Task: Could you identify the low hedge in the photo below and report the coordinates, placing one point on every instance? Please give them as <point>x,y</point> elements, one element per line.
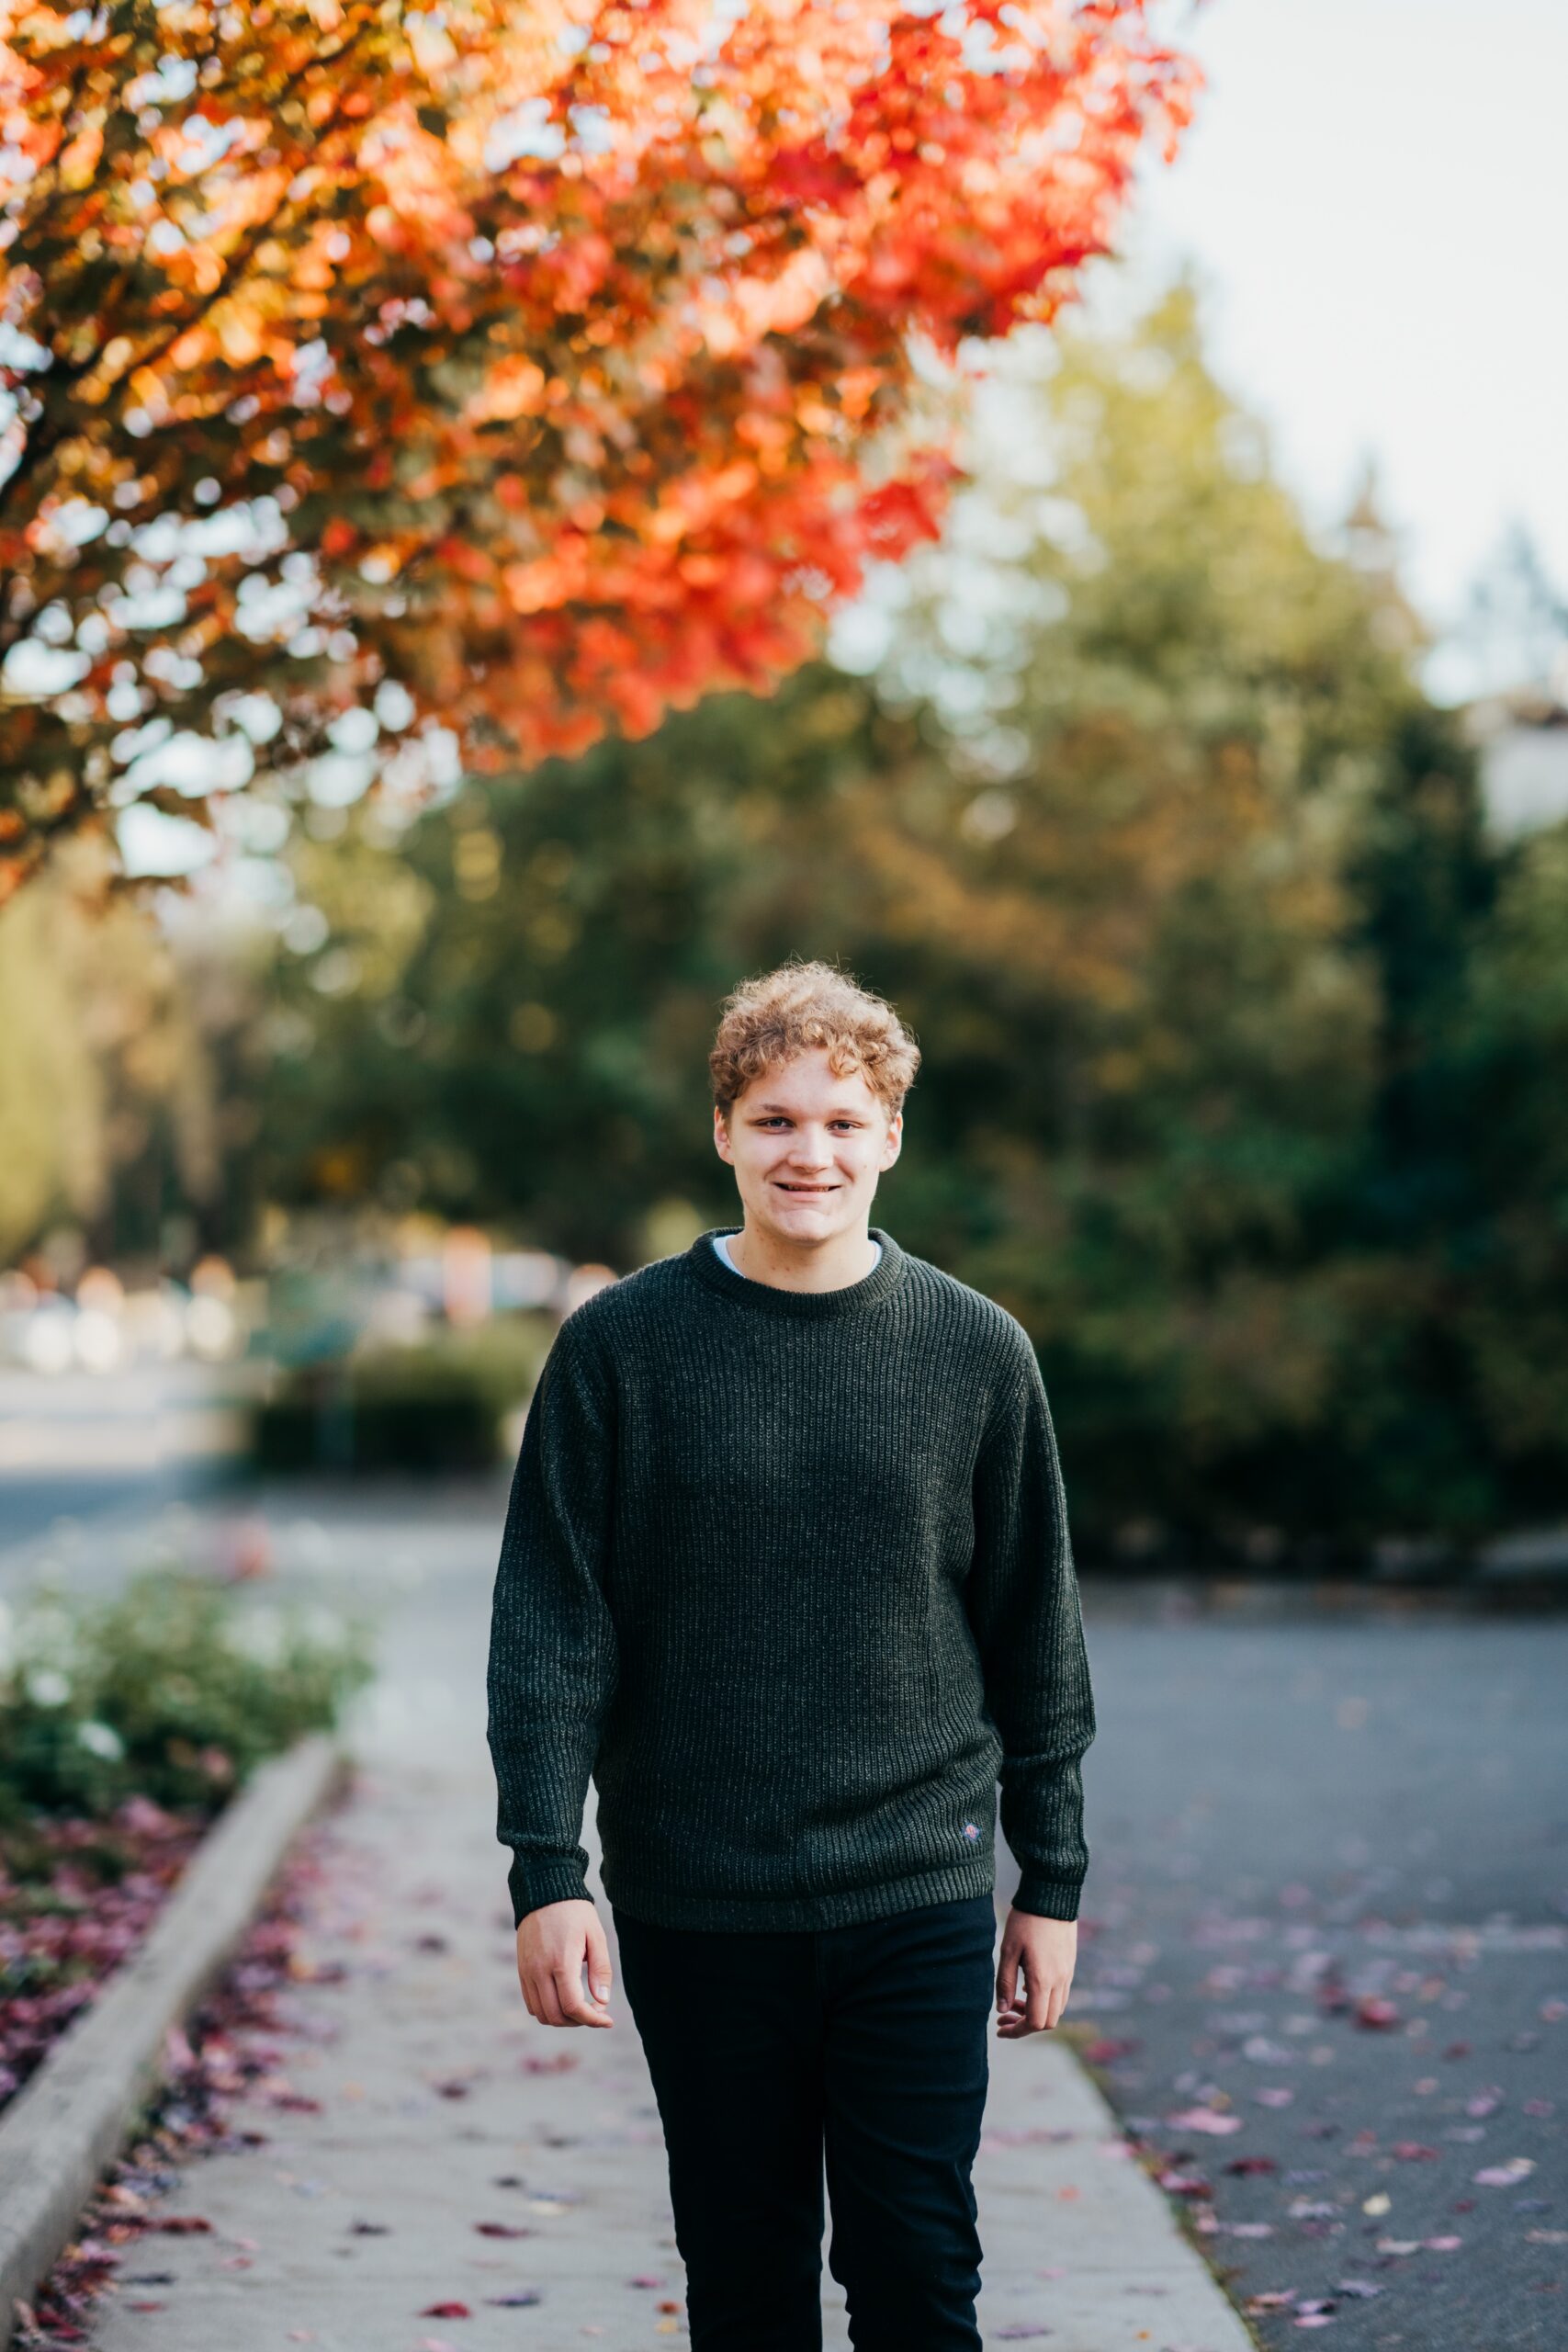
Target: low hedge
<point>172,1689</point>
<point>437,1406</point>
<point>124,1726</point>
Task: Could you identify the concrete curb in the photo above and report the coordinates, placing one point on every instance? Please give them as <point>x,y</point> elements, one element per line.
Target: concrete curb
<point>69,2122</point>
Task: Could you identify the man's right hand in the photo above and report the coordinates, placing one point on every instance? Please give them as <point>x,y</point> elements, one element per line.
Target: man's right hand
<point>552,1945</point>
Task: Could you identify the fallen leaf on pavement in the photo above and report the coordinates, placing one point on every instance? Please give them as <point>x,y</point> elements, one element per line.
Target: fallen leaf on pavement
<point>1504,2176</point>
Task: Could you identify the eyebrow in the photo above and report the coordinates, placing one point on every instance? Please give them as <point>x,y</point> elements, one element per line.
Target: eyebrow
<point>838,1111</point>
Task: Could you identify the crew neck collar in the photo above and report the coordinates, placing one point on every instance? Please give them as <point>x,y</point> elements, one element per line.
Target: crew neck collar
<point>754,1297</point>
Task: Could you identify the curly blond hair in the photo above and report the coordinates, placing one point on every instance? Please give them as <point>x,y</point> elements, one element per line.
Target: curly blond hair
<point>802,1005</point>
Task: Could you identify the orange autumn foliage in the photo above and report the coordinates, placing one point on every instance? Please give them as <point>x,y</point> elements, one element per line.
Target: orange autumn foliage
<point>551,357</point>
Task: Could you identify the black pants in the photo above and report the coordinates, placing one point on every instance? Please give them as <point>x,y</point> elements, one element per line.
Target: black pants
<point>866,2045</point>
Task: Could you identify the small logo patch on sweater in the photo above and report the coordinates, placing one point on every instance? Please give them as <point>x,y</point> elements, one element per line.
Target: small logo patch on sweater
<point>970,1830</point>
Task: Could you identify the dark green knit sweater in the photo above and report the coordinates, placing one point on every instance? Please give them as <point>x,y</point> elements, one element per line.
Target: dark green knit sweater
<point>787,1574</point>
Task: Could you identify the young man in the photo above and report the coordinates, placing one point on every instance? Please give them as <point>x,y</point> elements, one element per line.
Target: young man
<point>786,1571</point>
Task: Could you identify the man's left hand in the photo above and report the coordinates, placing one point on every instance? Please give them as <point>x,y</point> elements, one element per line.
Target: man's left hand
<point>1047,1950</point>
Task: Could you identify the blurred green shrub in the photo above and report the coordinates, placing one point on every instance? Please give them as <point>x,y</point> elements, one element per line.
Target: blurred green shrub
<point>436,1406</point>
<point>173,1689</point>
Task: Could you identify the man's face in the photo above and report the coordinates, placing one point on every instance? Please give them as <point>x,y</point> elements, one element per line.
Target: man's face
<point>808,1147</point>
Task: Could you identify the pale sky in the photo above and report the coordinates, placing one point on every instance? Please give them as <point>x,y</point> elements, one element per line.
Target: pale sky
<point>1375,193</point>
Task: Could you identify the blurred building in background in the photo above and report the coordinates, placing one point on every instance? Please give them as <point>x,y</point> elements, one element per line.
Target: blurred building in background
<point>1523,740</point>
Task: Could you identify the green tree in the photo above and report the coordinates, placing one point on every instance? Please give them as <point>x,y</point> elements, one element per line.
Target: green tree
<point>1505,1276</point>
<point>108,1101</point>
<point>1144,821</point>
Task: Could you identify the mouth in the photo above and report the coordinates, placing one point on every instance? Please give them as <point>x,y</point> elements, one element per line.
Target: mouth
<point>807,1191</point>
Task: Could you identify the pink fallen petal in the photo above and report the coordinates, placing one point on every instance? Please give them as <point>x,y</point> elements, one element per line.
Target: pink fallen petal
<point>1204,2119</point>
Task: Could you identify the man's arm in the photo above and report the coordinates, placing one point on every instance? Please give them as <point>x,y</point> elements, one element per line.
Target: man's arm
<point>552,1647</point>
<point>1021,1596</point>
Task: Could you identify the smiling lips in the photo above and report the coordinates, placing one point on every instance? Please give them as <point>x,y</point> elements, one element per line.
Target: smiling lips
<point>785,1187</point>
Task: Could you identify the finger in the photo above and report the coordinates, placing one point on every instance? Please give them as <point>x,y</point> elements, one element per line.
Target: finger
<point>1007,1978</point>
<point>576,2008</point>
<point>598,1962</point>
<point>1039,2010</point>
<point>1011,2004</point>
<point>549,2007</point>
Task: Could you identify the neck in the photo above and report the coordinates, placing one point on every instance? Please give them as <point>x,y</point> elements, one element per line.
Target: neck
<point>829,1264</point>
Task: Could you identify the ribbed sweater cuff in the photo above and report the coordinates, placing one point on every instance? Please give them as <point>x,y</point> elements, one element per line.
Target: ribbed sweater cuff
<point>1048,1898</point>
<point>534,1883</point>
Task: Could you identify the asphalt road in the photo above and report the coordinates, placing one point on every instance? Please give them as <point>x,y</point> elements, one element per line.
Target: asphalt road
<point>1323,1949</point>
<point>79,1446</point>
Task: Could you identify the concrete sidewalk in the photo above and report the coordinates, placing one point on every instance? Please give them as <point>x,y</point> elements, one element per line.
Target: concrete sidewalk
<point>464,2154</point>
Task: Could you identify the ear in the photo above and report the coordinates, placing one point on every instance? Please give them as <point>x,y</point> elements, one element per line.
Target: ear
<point>721,1143</point>
<point>894,1142</point>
